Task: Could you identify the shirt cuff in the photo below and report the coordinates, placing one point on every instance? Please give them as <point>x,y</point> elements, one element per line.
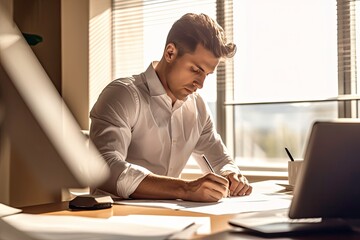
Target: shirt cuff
<point>130,179</point>
<point>229,168</point>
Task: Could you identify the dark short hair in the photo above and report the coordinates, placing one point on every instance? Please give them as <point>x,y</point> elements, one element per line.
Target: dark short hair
<point>192,29</point>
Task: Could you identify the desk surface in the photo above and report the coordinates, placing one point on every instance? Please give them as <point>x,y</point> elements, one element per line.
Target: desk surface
<point>220,229</point>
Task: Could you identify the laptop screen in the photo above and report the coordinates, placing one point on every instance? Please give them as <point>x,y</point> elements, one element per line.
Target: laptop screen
<point>328,186</point>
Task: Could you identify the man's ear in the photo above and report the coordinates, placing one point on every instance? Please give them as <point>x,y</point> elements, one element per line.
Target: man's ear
<point>170,52</point>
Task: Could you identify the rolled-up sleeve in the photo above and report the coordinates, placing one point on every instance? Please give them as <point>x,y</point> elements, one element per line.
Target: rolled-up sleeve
<point>112,118</point>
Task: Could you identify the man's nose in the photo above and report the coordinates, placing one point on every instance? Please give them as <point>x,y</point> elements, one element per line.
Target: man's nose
<point>199,82</point>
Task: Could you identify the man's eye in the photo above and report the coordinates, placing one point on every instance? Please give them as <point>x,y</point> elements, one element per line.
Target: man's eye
<point>197,70</point>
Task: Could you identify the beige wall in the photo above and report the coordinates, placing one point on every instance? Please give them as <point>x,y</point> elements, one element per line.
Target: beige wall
<point>64,54</point>
<point>86,54</point>
<point>42,17</point>
<point>19,186</point>
<point>100,50</point>
<point>75,58</point>
<point>68,28</point>
<point>4,165</point>
<point>7,6</point>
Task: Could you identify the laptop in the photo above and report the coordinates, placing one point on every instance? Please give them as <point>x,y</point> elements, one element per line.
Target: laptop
<point>327,187</point>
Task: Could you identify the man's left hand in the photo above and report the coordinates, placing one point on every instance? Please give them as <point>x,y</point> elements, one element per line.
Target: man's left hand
<point>239,185</point>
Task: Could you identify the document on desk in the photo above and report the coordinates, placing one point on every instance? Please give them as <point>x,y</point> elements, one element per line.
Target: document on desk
<point>62,227</point>
<point>175,222</point>
<point>251,203</point>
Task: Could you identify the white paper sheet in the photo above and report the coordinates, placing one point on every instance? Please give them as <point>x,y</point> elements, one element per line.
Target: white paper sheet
<point>231,206</point>
<point>72,227</point>
<point>251,203</point>
<point>170,222</point>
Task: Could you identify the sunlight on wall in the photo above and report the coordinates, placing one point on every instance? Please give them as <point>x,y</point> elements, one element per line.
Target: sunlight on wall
<point>99,48</point>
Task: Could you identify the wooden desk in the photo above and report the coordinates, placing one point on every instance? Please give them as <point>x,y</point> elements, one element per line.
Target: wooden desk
<point>220,229</point>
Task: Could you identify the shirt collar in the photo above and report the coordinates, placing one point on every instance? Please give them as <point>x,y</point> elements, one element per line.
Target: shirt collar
<point>155,86</point>
<point>153,81</point>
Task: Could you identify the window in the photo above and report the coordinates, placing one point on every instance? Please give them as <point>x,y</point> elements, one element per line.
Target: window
<point>287,51</point>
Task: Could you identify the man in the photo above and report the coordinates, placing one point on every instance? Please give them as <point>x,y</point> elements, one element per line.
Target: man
<point>147,126</point>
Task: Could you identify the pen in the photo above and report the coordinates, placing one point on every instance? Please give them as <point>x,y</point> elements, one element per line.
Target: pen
<point>208,164</point>
<point>289,154</point>
<point>212,170</point>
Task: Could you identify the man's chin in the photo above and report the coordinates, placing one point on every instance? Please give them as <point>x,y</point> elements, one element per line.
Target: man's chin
<point>184,98</point>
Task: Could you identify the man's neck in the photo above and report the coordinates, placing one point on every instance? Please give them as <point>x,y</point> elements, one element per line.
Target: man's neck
<point>160,69</point>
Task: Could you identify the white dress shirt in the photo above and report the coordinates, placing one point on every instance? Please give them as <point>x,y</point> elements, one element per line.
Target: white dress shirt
<point>137,131</point>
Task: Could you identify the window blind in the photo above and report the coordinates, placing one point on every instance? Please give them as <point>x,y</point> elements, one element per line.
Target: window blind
<point>140,29</point>
<point>347,69</point>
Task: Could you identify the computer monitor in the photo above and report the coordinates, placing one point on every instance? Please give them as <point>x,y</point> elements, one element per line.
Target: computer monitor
<point>41,129</point>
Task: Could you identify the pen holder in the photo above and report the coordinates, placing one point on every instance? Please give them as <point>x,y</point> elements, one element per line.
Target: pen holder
<point>294,168</point>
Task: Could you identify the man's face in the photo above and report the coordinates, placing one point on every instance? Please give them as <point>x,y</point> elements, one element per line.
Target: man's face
<point>187,73</point>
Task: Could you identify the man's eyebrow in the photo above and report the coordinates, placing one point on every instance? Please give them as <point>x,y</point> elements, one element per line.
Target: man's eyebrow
<point>199,67</point>
<point>203,70</point>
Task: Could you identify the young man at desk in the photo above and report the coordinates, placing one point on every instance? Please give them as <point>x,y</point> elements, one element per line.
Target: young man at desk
<point>147,126</point>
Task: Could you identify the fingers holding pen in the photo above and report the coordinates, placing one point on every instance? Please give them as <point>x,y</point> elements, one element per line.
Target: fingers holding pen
<point>215,186</point>
<point>209,188</point>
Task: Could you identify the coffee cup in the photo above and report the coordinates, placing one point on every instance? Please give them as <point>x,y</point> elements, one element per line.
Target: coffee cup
<point>294,168</point>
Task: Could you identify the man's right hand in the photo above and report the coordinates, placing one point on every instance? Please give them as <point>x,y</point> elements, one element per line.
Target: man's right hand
<point>209,188</point>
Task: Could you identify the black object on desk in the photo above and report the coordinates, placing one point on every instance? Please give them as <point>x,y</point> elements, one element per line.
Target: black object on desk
<point>91,202</point>
<point>287,229</point>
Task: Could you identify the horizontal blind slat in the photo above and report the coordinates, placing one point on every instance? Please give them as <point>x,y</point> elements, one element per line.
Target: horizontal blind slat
<point>134,25</point>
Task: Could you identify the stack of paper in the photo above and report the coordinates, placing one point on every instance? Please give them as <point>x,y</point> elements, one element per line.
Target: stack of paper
<point>118,227</point>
